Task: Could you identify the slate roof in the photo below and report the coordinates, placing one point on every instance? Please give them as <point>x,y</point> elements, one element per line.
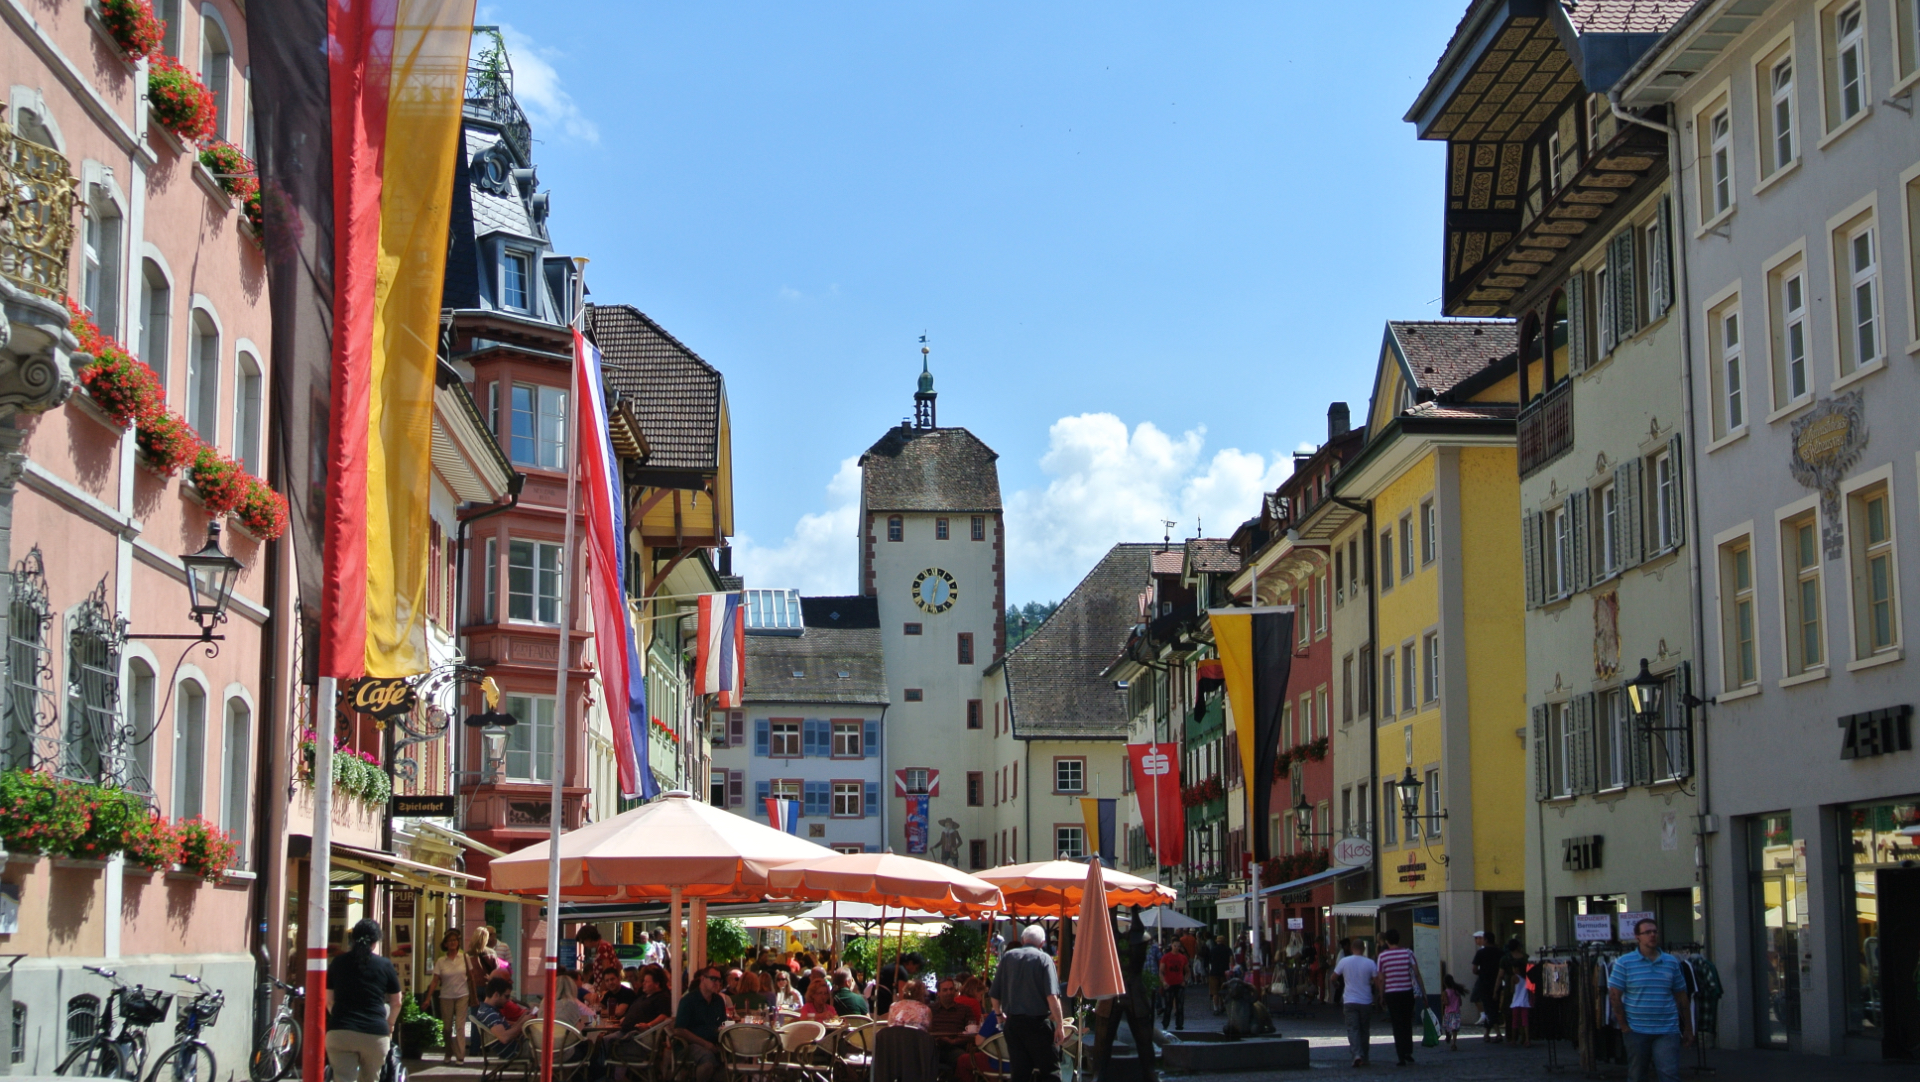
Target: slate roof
<point>1442,353</point>
<point>675,395</point>
<point>495,213</point>
<point>1625,16</point>
<point>821,654</point>
<point>929,469</point>
<point>1210,555</point>
<point>1055,689</point>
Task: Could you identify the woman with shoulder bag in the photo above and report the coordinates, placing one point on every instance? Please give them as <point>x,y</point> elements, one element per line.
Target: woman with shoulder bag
<point>452,982</point>
<point>363,1002</point>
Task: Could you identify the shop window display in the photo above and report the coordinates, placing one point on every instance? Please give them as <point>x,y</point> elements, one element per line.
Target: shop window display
<point>1882,842</point>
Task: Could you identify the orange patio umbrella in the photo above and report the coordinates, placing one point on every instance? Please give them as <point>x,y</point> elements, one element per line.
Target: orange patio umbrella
<point>1049,888</point>
<point>886,879</point>
<point>1095,973</point>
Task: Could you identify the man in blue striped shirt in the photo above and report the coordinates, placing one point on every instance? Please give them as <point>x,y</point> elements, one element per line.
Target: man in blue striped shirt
<point>1649,995</point>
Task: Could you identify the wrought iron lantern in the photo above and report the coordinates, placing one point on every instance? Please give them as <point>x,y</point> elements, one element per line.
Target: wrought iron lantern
<point>210,576</point>
<point>1647,693</point>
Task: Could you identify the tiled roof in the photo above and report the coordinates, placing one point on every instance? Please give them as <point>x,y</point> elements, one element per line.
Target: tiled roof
<point>1169,561</point>
<point>1210,555</point>
<point>1464,411</point>
<point>1054,684</point>
<point>834,665</point>
<point>674,393</point>
<point>1444,352</point>
<point>1625,16</point>
<point>929,469</point>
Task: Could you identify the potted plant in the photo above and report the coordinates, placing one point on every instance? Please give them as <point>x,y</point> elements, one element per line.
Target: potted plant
<point>133,26</point>
<point>253,208</point>
<point>205,849</point>
<point>179,100</point>
<point>151,842</point>
<point>111,812</point>
<point>221,482</point>
<point>419,1030</point>
<point>262,511</point>
<point>40,813</point>
<point>166,442</point>
<point>231,169</point>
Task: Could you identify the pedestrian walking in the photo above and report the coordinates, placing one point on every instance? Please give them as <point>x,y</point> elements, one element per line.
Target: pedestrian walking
<point>452,987</point>
<point>1520,999</point>
<point>1649,994</point>
<point>1486,978</point>
<point>1173,975</point>
<point>1357,981</point>
<point>1026,987</point>
<point>1399,980</point>
<point>363,1000</point>
<point>1452,998</point>
<point>1219,960</point>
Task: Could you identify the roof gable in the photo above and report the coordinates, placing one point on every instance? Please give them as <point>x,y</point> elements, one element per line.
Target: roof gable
<point>678,398</point>
<point>929,469</point>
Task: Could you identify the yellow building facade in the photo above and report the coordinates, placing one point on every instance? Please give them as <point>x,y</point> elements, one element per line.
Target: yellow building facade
<point>1438,484</point>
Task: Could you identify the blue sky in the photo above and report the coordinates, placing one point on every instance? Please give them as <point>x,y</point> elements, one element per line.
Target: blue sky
<point>1148,242</point>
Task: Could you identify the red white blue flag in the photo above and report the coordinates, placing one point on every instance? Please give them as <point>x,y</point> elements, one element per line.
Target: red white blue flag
<point>783,814</point>
<point>621,674</point>
<point>720,648</point>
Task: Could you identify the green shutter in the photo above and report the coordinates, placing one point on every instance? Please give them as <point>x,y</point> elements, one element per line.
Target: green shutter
<point>1542,768</point>
<point>1679,490</point>
<point>1577,322</point>
<point>1530,556</point>
<point>1621,262</point>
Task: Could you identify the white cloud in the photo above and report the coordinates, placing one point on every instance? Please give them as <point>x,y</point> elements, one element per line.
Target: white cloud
<point>1111,485</point>
<point>536,85</point>
<point>820,556</point>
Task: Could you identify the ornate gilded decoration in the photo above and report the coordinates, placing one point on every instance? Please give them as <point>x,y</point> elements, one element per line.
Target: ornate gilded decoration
<point>1827,442</point>
<point>36,214</point>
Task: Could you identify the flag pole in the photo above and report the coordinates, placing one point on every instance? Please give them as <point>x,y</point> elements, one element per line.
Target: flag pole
<point>570,423</point>
<point>313,1054</point>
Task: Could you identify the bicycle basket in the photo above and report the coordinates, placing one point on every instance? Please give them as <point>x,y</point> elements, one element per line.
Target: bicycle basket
<point>208,1007</point>
<point>145,1006</point>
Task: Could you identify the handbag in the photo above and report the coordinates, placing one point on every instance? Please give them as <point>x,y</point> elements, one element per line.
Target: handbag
<point>1429,1029</point>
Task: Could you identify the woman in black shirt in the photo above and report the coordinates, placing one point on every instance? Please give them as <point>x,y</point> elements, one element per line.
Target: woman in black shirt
<point>363,1000</point>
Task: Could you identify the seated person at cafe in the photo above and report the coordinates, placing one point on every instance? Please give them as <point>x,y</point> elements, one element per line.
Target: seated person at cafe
<point>653,1005</point>
<point>610,996</point>
<point>951,1024</point>
<point>783,995</point>
<point>489,1016</point>
<point>846,998</point>
<point>819,1004</point>
<point>975,1059</point>
<point>973,991</point>
<point>698,1024</point>
<point>753,993</point>
<point>910,1007</point>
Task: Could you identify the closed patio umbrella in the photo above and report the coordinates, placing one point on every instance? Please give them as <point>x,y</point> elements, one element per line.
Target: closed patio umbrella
<point>1095,973</point>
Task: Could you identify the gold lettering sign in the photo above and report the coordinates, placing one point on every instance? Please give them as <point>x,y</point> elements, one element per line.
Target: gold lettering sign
<point>1824,438</point>
<point>383,698</point>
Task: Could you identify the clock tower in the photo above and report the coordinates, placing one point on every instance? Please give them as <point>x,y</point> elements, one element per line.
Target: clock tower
<point>933,555</point>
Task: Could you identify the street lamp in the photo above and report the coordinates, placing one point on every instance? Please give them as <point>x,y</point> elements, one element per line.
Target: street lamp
<point>210,575</point>
<point>1303,812</point>
<point>1410,805</point>
<point>1647,693</point>
<point>493,725</point>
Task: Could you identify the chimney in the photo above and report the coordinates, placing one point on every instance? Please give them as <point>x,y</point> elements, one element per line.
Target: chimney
<point>1337,421</point>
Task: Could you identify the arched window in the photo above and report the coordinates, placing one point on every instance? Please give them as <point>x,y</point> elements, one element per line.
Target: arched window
<point>91,745</point>
<point>1557,354</point>
<point>139,707</point>
<point>189,750</point>
<point>169,13</point>
<point>246,412</point>
<point>1530,387</point>
<point>100,285</point>
<point>203,377</point>
<point>235,765</point>
<point>216,61</point>
<point>156,317</point>
<point>83,1020</point>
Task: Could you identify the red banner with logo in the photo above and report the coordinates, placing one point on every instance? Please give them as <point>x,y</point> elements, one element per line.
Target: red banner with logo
<point>1156,786</point>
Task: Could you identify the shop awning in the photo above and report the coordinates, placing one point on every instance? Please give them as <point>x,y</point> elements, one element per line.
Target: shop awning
<point>1372,906</point>
<point>423,826</point>
<point>412,873</point>
<point>354,852</point>
<point>1305,882</point>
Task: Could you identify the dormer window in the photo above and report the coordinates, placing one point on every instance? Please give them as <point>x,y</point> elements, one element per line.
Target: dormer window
<point>515,273</point>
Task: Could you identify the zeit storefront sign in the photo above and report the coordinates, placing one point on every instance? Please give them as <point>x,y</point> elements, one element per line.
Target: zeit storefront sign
<point>1877,732</point>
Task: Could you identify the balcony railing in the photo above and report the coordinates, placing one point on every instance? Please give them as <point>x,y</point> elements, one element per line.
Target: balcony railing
<point>36,214</point>
<point>1546,428</point>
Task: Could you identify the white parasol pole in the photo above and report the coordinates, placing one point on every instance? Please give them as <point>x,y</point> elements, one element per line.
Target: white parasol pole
<point>319,880</point>
<point>673,948</point>
<point>570,425</point>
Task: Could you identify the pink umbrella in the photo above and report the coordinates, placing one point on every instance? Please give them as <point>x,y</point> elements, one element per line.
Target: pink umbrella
<point>1095,973</point>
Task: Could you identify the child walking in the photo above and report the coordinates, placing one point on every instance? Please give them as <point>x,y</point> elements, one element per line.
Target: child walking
<point>1521,1008</point>
<point>1450,1001</point>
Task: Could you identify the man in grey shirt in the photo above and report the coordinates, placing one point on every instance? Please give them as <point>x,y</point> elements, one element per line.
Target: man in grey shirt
<point>1027,989</point>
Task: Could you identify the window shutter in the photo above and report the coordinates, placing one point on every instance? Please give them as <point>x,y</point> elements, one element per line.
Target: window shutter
<point>818,740</point>
<point>1681,744</point>
<point>1577,322</point>
<point>1542,767</point>
<point>816,794</point>
<point>1661,260</point>
<point>872,803</point>
<point>1623,284</point>
<point>1626,488</point>
<point>736,728</point>
<point>736,788</point>
<point>1530,556</point>
<point>1679,490</point>
<point>1583,772</point>
<point>1582,548</point>
<point>1603,320</point>
<point>762,792</point>
<point>760,737</point>
<point>871,745</point>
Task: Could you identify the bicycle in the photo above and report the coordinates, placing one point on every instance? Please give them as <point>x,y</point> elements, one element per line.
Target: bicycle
<point>106,1054</point>
<point>278,1052</point>
<point>188,1059</point>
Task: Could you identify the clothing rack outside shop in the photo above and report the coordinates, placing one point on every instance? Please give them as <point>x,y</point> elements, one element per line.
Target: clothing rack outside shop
<point>1593,1026</point>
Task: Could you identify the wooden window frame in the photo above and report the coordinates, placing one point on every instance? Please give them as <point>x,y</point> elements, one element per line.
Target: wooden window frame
<point>1081,762</point>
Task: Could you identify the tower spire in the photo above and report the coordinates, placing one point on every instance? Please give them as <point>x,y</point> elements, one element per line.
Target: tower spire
<point>923,399</point>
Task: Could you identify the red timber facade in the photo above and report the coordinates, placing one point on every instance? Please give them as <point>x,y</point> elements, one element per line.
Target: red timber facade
<point>1292,563</point>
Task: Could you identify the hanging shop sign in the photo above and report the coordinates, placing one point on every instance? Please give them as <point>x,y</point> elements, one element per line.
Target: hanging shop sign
<point>383,698</point>
<point>422,806</point>
<point>1582,853</point>
<point>1352,853</point>
<point>1877,732</point>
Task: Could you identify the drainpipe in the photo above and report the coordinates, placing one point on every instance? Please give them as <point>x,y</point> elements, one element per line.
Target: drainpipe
<point>1695,575</point>
<point>883,776</point>
<point>1365,507</point>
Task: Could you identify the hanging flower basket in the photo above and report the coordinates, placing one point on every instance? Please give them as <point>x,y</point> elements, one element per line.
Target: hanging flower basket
<point>232,170</point>
<point>133,26</point>
<point>166,442</point>
<point>253,208</point>
<point>118,383</point>
<point>221,482</point>
<point>40,813</point>
<point>179,100</point>
<point>152,842</point>
<point>262,511</point>
<point>205,849</point>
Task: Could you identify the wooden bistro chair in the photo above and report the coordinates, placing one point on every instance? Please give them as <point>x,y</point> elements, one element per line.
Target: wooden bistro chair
<point>804,1053</point>
<point>569,1054</point>
<point>994,1048</point>
<point>751,1053</point>
<point>639,1055</point>
<point>497,1063</point>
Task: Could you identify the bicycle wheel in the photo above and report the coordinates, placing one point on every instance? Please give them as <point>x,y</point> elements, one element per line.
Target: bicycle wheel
<point>95,1059</point>
<point>277,1053</point>
<point>184,1063</point>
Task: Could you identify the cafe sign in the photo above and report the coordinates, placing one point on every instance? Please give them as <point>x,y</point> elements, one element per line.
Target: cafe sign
<point>383,698</point>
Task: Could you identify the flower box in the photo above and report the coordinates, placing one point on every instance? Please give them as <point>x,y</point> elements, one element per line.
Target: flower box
<point>178,100</point>
<point>130,24</point>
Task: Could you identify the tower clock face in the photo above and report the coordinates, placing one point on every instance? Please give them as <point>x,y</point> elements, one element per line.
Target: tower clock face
<point>935,590</point>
